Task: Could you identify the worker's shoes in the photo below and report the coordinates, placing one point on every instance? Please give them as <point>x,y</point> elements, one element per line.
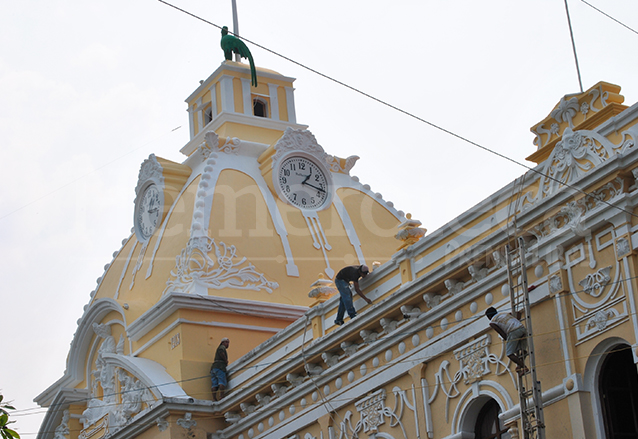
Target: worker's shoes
<point>338,322</point>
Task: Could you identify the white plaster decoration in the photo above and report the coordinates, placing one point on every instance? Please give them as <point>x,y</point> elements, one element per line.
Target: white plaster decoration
<point>368,336</point>
<point>571,215</point>
<point>247,408</point>
<point>294,379</point>
<point>212,144</point>
<point>162,424</point>
<point>191,121</point>
<point>313,369</point>
<point>322,288</point>
<point>349,348</point>
<point>363,370</point>
<point>134,396</point>
<point>566,110</point>
<point>416,340</point>
<point>411,312</point>
<point>473,307</point>
<point>431,299</point>
<point>576,154</point>
<point>601,318</point>
<point>477,271</point>
<point>489,298</point>
<point>260,427</point>
<point>458,316</point>
<point>138,264</point>
<point>279,389</point>
<point>538,271</point>
<point>375,362</point>
<point>594,283</point>
<point>350,229</point>
<point>282,415</point>
<point>274,101</point>
<point>330,359</point>
<point>444,323</point>
<point>555,284</point>
<point>298,140</point>
<point>634,186</point>
<point>453,286</point>
<point>187,422</point>
<point>474,359</point>
<point>429,332</point>
<point>263,398</point>
<point>150,169</point>
<point>498,257</point>
<point>388,356</point>
<point>232,417</point>
<point>334,163</point>
<point>102,376</point>
<point>319,239</point>
<point>623,248</point>
<point>388,325</point>
<point>119,349</point>
<point>326,390</point>
<point>62,430</point>
<point>196,270</point>
<point>350,376</point>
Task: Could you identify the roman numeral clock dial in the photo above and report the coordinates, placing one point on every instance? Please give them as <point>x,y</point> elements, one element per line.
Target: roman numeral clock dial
<point>303,183</point>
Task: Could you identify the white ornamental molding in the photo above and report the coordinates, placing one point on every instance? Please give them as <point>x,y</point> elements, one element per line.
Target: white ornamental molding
<point>474,359</point>
<point>299,140</point>
<point>62,430</point>
<point>187,422</point>
<point>623,248</point>
<point>212,144</point>
<point>555,284</point>
<point>594,283</point>
<point>195,269</point>
<point>341,166</point>
<point>149,170</point>
<point>574,156</point>
<point>572,214</point>
<point>373,413</point>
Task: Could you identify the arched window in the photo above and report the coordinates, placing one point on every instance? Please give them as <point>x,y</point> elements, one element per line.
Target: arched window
<point>260,108</point>
<point>488,425</point>
<point>618,389</point>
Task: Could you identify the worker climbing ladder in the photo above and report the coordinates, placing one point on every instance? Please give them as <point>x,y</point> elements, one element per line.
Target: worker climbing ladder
<point>529,388</point>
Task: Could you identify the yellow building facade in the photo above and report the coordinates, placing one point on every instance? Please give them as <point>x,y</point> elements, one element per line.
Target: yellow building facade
<point>243,239</point>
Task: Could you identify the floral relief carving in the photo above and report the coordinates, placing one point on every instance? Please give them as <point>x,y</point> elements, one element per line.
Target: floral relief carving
<point>555,284</point>
<point>566,110</point>
<point>299,140</point>
<point>600,319</point>
<point>150,169</point>
<point>622,247</point>
<point>194,267</point>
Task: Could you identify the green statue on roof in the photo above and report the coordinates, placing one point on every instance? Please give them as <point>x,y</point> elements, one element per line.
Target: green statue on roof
<point>231,44</point>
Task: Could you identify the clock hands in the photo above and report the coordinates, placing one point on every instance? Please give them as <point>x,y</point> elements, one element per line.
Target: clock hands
<point>312,186</point>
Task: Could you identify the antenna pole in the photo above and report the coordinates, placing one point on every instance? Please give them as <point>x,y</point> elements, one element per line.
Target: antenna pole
<point>236,27</point>
<point>569,21</point>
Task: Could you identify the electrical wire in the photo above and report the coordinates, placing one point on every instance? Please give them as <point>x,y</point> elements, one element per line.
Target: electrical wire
<point>609,16</point>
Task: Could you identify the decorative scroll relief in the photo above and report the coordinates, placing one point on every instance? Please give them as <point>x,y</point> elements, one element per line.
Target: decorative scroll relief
<point>211,144</point>
<point>195,269</point>
<point>474,360</point>
<point>569,109</point>
<point>572,214</point>
<point>594,283</point>
<point>373,413</point>
<point>62,430</point>
<point>341,166</point>
<point>601,320</point>
<point>574,156</point>
<point>150,169</point>
<point>116,396</point>
<point>299,140</point>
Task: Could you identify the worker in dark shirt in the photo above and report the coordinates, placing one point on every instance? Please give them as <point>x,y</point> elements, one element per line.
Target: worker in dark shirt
<point>218,376</point>
<point>349,274</point>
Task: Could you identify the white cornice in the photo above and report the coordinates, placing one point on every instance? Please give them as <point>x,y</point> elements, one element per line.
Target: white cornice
<point>176,301</point>
<point>242,119</point>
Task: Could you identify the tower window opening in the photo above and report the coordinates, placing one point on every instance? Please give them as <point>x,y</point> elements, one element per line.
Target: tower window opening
<point>260,108</point>
<point>208,115</point>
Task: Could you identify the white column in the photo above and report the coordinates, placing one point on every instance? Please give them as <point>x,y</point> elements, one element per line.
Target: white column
<point>191,121</point>
<point>246,96</point>
<point>226,90</point>
<point>213,101</point>
<point>274,101</point>
<point>290,104</point>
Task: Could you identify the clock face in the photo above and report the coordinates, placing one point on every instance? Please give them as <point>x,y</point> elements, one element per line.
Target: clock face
<point>303,183</point>
<point>148,212</point>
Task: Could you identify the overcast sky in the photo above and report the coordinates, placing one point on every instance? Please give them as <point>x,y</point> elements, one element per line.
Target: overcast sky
<point>88,89</point>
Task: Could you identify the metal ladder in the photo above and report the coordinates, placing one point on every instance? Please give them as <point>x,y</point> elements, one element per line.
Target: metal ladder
<point>532,421</point>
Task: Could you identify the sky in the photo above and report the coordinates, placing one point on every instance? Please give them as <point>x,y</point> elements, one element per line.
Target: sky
<point>89,89</point>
